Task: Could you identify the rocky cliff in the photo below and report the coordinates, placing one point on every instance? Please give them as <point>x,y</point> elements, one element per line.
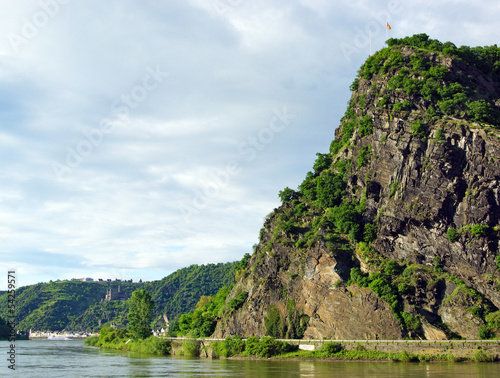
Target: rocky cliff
<point>395,232</point>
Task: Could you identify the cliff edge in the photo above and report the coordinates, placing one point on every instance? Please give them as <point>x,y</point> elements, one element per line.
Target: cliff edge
<point>395,232</point>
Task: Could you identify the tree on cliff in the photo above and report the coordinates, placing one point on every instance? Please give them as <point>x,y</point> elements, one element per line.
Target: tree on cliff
<point>140,314</point>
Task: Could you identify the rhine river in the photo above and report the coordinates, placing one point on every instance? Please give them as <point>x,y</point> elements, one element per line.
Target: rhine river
<point>46,358</point>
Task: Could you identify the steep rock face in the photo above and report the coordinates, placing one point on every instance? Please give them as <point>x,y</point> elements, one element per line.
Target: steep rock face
<point>412,177</point>
<point>335,311</point>
<point>453,184</point>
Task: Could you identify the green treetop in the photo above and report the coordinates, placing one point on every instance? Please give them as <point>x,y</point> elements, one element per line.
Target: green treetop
<point>140,314</point>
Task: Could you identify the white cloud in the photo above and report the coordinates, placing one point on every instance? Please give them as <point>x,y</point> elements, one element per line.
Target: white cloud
<point>176,180</point>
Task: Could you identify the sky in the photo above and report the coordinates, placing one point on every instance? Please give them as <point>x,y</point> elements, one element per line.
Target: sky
<point>138,137</point>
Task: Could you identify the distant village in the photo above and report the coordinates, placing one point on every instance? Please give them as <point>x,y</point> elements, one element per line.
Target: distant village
<point>74,335</point>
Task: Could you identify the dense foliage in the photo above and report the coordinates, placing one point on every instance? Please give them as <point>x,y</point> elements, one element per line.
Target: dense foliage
<point>253,346</point>
<point>420,82</point>
<point>80,306</point>
<point>55,305</point>
<point>140,314</point>
<point>111,338</point>
<point>4,329</point>
<point>321,209</point>
<point>291,325</point>
<point>202,320</point>
<point>423,75</point>
<point>100,314</point>
<point>384,283</point>
<point>395,282</point>
<point>179,292</point>
<point>486,59</point>
<point>269,347</point>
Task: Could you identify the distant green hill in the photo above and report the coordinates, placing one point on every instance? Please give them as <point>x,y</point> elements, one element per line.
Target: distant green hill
<point>81,306</point>
<point>4,329</point>
<point>54,305</point>
<point>179,292</point>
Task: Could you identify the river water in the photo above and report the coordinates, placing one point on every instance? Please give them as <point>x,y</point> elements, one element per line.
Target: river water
<point>47,358</point>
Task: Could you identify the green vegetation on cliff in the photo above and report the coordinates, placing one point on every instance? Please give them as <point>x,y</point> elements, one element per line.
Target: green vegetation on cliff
<point>201,321</point>
<point>404,205</point>
<point>448,93</point>
<point>290,326</point>
<point>418,69</point>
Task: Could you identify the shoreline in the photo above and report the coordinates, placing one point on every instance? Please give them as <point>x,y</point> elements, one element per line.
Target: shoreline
<point>413,358</point>
<point>331,359</point>
<point>48,338</point>
<point>271,349</point>
<point>353,351</point>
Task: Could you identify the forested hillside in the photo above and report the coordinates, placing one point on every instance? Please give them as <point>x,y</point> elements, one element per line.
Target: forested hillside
<point>179,292</point>
<point>81,306</point>
<point>55,305</point>
<point>4,329</point>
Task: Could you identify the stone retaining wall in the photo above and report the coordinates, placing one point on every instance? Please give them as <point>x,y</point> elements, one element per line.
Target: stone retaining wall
<point>458,348</point>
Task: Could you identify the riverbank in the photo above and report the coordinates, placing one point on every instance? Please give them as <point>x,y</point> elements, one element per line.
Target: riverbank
<point>477,355</point>
<point>235,347</point>
<point>110,338</point>
<point>391,350</point>
<point>72,359</point>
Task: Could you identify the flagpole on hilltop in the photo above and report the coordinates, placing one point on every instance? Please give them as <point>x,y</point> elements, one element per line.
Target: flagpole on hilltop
<point>387,31</point>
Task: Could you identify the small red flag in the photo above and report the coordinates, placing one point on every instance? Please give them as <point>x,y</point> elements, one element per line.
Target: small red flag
<point>388,26</point>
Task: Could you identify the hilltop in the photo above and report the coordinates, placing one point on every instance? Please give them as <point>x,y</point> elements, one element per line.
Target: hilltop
<point>395,232</point>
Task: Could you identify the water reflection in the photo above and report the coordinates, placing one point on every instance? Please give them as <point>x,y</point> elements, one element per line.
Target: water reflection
<point>41,358</point>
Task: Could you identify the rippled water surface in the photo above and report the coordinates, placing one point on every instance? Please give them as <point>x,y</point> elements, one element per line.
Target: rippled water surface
<point>44,358</point>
